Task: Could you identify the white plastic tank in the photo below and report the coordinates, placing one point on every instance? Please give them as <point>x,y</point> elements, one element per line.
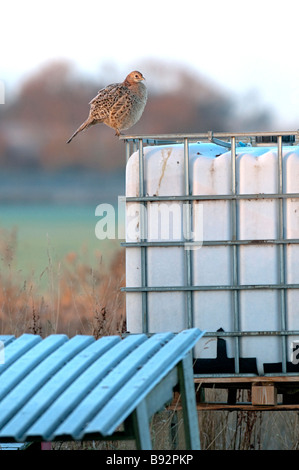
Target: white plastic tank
<point>258,264</point>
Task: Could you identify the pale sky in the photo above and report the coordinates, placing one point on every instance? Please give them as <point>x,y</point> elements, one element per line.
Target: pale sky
<point>244,46</point>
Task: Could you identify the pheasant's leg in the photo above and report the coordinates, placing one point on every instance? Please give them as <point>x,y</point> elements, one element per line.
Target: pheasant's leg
<point>118,133</point>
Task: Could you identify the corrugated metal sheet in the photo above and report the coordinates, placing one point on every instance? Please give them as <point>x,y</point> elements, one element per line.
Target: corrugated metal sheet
<point>61,388</point>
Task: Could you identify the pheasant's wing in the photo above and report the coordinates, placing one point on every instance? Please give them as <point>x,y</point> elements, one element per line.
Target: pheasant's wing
<point>106,98</point>
<point>122,106</point>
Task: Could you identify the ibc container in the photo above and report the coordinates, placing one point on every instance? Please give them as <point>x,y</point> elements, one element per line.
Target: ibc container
<point>235,274</point>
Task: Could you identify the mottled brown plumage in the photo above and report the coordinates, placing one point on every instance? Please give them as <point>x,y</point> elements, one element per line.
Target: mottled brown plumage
<point>119,105</point>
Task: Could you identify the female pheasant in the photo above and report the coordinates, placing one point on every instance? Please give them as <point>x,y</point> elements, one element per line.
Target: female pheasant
<point>119,105</point>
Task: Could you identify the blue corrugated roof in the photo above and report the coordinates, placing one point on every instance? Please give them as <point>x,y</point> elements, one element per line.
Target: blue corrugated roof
<point>61,388</point>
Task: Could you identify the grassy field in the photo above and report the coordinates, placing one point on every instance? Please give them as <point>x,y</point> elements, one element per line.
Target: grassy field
<point>64,288</point>
<point>43,230</point>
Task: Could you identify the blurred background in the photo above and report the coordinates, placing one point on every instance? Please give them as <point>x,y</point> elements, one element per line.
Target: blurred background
<point>209,65</point>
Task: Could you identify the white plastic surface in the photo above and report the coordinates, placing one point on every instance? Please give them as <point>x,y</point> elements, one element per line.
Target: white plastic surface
<point>210,174</point>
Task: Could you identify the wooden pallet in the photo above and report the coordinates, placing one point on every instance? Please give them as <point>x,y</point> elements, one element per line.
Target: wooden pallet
<point>264,393</point>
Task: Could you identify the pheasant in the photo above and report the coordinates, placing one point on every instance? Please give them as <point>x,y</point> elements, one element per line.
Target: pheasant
<point>119,105</point>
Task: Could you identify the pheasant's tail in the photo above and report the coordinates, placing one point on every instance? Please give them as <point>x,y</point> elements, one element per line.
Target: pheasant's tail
<point>89,122</point>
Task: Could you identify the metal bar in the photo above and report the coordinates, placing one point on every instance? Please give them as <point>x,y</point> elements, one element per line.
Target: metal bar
<point>134,149</point>
<point>220,334</point>
<point>186,167</point>
<point>206,135</point>
<point>187,232</point>
<point>143,235</point>
<point>213,197</point>
<point>250,333</point>
<point>290,241</point>
<point>210,288</point>
<point>141,169</point>
<point>281,248</point>
<point>234,254</point>
<point>127,150</point>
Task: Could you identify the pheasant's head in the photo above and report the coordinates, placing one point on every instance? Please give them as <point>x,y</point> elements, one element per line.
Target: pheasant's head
<point>134,77</point>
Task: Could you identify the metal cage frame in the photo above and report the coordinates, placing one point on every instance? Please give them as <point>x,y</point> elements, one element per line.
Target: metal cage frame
<point>135,143</point>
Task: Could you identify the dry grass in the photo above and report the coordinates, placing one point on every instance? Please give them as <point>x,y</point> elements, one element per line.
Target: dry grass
<point>76,300</point>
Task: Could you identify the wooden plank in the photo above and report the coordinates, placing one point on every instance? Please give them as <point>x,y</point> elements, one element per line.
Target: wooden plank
<point>61,408</point>
<point>135,390</point>
<point>22,392</point>
<point>141,427</point>
<point>244,407</point>
<point>249,380</point>
<point>189,403</point>
<point>263,394</point>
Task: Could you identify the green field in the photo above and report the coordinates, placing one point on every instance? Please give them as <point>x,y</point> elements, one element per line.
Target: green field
<point>48,232</point>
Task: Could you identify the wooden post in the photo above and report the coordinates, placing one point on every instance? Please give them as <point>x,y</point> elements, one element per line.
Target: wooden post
<point>187,390</point>
<point>141,426</point>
